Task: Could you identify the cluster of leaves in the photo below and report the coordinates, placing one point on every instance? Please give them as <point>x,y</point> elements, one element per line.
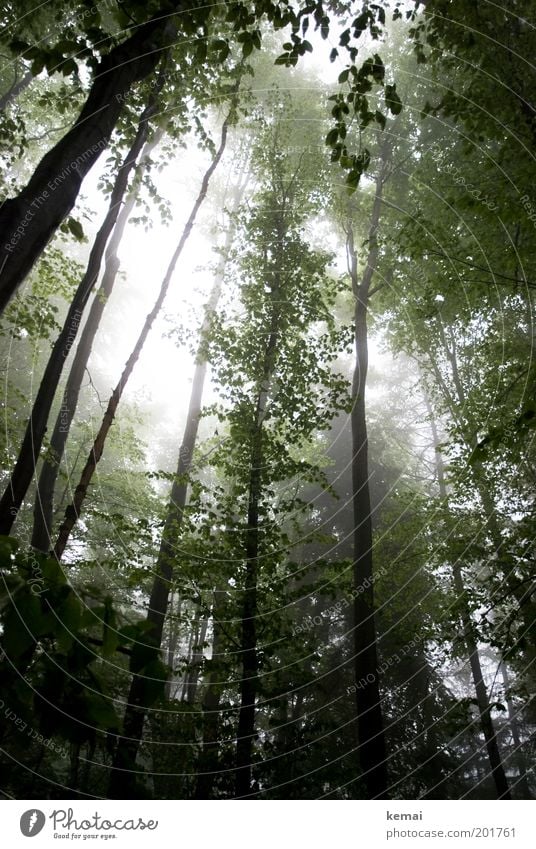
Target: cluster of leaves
<point>60,645</point>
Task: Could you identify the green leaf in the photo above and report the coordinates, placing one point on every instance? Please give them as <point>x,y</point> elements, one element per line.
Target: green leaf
<point>100,712</point>
<point>76,229</point>
<point>332,137</point>
<point>392,100</point>
<point>380,118</point>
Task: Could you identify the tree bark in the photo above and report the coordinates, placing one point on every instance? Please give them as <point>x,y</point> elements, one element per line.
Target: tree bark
<point>32,442</point>
<point>248,641</point>
<point>122,779</point>
<point>44,499</point>
<point>484,709</point>
<point>174,635</point>
<point>522,783</point>
<point>192,679</point>
<point>29,220</point>
<point>372,751</point>
<point>208,758</point>
<point>481,693</point>
<point>73,510</point>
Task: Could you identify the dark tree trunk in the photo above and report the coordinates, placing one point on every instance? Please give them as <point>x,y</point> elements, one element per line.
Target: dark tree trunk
<point>194,631</point>
<point>32,442</point>
<point>481,693</point>
<point>29,220</point>
<point>522,784</point>
<point>44,499</point>
<point>174,635</point>
<point>486,722</point>
<point>123,777</point>
<point>372,751</point>
<point>248,641</point>
<point>208,758</point>
<point>158,604</point>
<point>196,661</point>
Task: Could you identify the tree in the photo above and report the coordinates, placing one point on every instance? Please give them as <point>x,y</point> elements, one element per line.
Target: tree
<point>43,507</point>
<point>27,459</point>
<point>73,510</point>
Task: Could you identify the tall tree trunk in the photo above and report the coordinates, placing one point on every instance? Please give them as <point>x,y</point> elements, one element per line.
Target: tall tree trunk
<point>44,499</point>
<point>522,783</point>
<point>484,709</point>
<point>73,510</point>
<point>455,403</point>
<point>174,635</point>
<point>196,661</point>
<point>32,442</point>
<point>372,751</point>
<point>248,640</point>
<point>208,758</point>
<point>29,220</point>
<point>122,779</point>
<point>192,640</point>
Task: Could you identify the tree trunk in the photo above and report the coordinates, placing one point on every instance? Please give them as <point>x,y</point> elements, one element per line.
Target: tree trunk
<point>174,634</point>
<point>192,640</point>
<point>44,500</point>
<point>196,661</point>
<point>522,783</point>
<point>208,758</point>
<point>158,604</point>
<point>248,641</point>
<point>372,751</point>
<point>29,220</point>
<point>123,773</point>
<point>481,693</point>
<point>32,442</point>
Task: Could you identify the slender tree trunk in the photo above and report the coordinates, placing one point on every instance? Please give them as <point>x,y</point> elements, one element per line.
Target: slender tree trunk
<point>486,722</point>
<point>522,784</point>
<point>492,525</point>
<point>29,220</point>
<point>174,634</point>
<point>248,642</point>
<point>249,680</point>
<point>44,500</point>
<point>192,640</point>
<point>32,442</point>
<point>158,605</point>
<point>122,779</point>
<point>208,758</point>
<point>14,90</point>
<point>372,751</point>
<point>195,663</point>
